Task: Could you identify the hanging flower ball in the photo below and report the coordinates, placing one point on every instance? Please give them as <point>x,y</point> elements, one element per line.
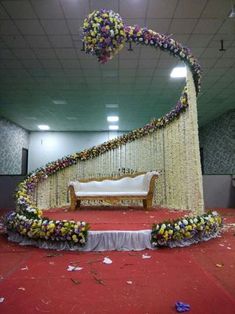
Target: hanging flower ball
<point>103,34</point>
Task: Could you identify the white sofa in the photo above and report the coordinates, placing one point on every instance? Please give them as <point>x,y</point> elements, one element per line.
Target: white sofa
<point>139,186</point>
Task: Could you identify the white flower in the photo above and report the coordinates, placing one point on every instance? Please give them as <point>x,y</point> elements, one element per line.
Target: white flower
<point>195,220</point>
<point>185,222</point>
<point>163,226</point>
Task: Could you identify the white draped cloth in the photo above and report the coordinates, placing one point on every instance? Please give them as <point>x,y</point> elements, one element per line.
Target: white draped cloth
<point>97,241</point>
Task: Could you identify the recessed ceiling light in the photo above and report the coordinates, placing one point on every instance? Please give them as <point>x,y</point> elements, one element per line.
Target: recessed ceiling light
<point>178,72</point>
<point>43,127</point>
<point>113,127</point>
<point>112,118</point>
<point>59,102</point>
<point>111,105</point>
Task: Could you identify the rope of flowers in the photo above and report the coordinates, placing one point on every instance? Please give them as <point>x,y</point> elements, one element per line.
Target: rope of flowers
<point>185,231</point>
<point>104,35</point>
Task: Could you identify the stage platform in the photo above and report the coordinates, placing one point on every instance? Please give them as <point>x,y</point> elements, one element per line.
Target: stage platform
<point>116,218</point>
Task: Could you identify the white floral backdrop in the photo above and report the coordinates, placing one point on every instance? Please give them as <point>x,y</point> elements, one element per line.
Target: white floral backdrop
<point>173,150</point>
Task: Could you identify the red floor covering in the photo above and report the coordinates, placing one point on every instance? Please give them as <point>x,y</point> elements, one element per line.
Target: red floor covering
<point>37,281</point>
<point>116,218</point>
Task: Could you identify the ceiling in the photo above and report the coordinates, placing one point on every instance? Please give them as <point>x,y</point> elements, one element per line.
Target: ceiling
<point>46,79</point>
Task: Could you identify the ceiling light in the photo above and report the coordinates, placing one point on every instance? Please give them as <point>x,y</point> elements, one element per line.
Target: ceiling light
<point>178,72</point>
<point>111,105</point>
<point>43,127</point>
<point>112,118</point>
<point>59,102</point>
<point>232,12</point>
<point>113,127</point>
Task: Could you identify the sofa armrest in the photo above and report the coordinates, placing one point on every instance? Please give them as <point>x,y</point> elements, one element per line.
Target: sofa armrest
<point>73,198</point>
<point>152,184</point>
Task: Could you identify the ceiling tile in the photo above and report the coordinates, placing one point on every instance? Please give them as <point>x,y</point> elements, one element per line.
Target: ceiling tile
<point>128,64</point>
<point>19,9</point>
<point>38,41</point>
<point>217,8</point>
<point>211,53</point>
<point>230,53</point>
<point>125,54</point>
<point>49,9</point>
<point>31,63</point>
<point>208,62</point>
<point>15,41</point>
<point>6,54</point>
<point>75,26</point>
<point>129,9</point>
<point>161,8</point>
<point>44,53</point>
<point>55,27</point>
<point>199,40</point>
<point>12,64</point>
<point>50,63</point>
<point>66,53</point>
<point>149,53</point>
<point>24,53</point>
<point>181,38</point>
<point>70,64</point>
<point>159,25</point>
<point>207,26</point>
<point>182,26</point>
<point>75,9</point>
<point>3,13</point>
<point>29,27</point>
<point>189,9</point>
<point>100,4</point>
<point>61,41</point>
<point>216,43</point>
<point>8,28</point>
<point>147,63</point>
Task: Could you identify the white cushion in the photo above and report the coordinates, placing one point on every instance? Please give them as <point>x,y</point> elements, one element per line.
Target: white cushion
<point>105,193</point>
<point>124,186</point>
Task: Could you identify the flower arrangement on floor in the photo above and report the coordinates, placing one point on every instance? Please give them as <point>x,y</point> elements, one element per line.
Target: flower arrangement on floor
<point>186,230</point>
<point>27,220</point>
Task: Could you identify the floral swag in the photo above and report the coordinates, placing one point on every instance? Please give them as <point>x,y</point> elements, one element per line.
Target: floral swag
<point>104,35</point>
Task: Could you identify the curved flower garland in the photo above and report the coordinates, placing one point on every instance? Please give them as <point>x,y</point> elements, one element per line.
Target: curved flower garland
<point>28,220</point>
<point>187,230</point>
<point>104,34</point>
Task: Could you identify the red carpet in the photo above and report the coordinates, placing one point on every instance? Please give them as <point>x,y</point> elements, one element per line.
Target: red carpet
<point>37,281</point>
<point>116,218</point>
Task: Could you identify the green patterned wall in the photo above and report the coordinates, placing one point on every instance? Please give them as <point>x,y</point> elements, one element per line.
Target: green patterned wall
<point>217,139</point>
<point>12,139</point>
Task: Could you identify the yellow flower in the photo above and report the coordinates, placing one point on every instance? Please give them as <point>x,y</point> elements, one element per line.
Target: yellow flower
<point>75,238</point>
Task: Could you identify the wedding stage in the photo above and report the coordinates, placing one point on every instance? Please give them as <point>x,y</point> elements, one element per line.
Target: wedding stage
<point>123,228</point>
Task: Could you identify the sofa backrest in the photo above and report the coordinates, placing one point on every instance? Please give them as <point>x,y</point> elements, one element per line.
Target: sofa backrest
<point>127,184</point>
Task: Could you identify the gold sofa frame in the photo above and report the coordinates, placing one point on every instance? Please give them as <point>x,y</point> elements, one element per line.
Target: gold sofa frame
<point>75,201</point>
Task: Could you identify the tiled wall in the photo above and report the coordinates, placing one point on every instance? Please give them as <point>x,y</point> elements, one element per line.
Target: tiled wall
<point>12,139</point>
<point>218,142</point>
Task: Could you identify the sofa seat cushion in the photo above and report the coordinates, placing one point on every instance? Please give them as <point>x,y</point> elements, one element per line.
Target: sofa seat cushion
<point>108,193</point>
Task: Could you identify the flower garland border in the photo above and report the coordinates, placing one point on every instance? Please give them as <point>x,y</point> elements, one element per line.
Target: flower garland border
<point>186,230</point>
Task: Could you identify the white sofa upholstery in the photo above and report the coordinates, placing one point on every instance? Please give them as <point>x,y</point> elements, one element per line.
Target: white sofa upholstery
<point>137,187</point>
